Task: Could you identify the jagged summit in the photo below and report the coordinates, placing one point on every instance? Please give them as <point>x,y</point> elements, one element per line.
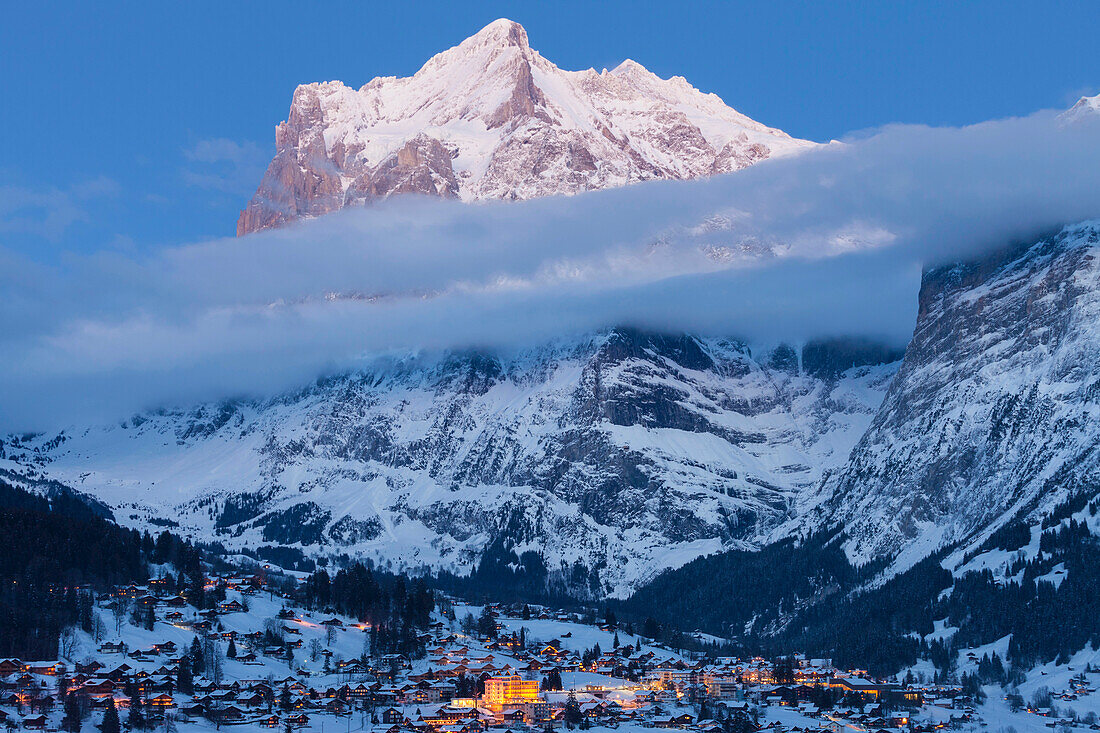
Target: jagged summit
<point>501,32</point>
<point>491,118</point>
<point>1085,107</point>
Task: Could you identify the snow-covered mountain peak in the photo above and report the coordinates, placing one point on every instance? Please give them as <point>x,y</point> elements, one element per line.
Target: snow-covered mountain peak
<point>500,46</point>
<point>1085,107</point>
<point>502,32</point>
<point>492,118</point>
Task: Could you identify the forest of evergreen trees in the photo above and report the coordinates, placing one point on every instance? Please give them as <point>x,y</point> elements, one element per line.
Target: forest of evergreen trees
<point>725,592</point>
<point>56,552</point>
<point>806,597</point>
<point>53,554</point>
<point>397,608</point>
<point>504,575</point>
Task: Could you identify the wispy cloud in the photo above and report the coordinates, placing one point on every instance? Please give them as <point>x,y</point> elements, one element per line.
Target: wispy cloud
<point>223,165</point>
<point>828,243</point>
<point>49,211</point>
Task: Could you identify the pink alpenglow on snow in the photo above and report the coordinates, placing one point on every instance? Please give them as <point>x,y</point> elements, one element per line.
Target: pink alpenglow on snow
<point>492,119</point>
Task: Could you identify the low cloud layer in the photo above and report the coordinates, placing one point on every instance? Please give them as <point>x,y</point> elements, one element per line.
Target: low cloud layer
<point>829,243</point>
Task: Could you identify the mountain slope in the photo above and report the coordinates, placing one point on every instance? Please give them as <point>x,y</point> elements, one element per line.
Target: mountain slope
<point>492,119</point>
<point>613,456</point>
<point>1085,108</point>
<point>969,513</point>
<point>994,410</point>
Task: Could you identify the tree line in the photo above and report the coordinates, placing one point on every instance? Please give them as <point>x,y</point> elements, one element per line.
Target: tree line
<point>55,554</point>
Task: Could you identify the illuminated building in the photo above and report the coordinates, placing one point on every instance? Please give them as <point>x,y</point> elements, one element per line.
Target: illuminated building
<point>502,693</point>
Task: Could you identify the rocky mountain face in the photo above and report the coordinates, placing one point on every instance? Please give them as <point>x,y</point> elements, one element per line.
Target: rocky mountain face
<point>613,456</point>
<point>995,410</point>
<point>492,119</point>
<point>621,454</point>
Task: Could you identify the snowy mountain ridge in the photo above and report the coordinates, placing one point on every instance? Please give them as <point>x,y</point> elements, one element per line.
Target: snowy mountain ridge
<point>624,453</point>
<point>993,412</point>
<point>493,119</point>
<point>1085,107</point>
<point>614,456</point>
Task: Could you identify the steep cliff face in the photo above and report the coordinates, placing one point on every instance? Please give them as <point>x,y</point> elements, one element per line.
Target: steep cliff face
<point>625,453</point>
<point>492,119</point>
<point>621,454</point>
<point>995,409</point>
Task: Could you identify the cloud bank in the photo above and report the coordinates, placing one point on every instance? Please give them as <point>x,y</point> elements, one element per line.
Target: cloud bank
<point>829,243</point>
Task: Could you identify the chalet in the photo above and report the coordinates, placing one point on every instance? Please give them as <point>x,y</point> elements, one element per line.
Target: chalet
<point>252,700</point>
<point>672,721</point>
<point>36,722</point>
<point>333,622</point>
<point>511,717</point>
<point>158,681</point>
<point>119,699</point>
<point>359,692</point>
<point>52,668</point>
<point>194,710</point>
<point>422,695</point>
<point>161,701</point>
<point>89,668</point>
<point>204,686</point>
<point>10,666</point>
<point>808,709</point>
<point>119,673</point>
<point>148,601</point>
<point>98,687</point>
<point>392,716</point>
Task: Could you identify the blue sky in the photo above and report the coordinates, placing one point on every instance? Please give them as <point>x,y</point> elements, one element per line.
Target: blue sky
<point>139,125</point>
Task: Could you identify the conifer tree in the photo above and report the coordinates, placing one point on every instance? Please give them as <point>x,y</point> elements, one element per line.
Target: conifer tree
<point>284,699</point>
<point>572,711</point>
<point>198,664</point>
<point>75,712</point>
<point>110,722</point>
<point>136,720</point>
<point>184,678</point>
